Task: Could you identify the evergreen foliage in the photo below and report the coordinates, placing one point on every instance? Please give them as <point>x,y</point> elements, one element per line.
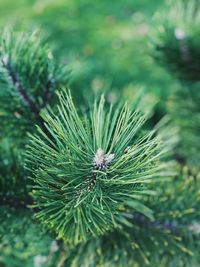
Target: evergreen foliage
<point>23,242</point>
<point>98,185</point>
<point>28,78</point>
<point>178,42</point>
<point>92,167</point>
<point>171,239</point>
<point>177,48</point>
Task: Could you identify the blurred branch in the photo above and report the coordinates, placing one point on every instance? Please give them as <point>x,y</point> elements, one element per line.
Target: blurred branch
<point>20,89</point>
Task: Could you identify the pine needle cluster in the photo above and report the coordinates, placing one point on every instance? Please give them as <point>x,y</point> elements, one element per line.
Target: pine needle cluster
<point>29,77</point>
<point>92,168</point>
<point>171,239</point>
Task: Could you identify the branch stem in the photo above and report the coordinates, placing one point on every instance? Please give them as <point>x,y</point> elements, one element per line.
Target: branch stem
<point>20,89</point>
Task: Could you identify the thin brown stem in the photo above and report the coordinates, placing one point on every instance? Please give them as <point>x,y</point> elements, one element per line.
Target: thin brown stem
<point>20,89</point>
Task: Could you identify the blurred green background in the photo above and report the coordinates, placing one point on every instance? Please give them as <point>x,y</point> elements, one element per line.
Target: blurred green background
<point>107,44</point>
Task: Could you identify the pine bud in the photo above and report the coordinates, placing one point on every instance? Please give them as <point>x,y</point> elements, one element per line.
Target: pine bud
<point>102,160</point>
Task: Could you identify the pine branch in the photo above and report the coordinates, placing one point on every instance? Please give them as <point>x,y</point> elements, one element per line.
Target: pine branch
<point>20,89</point>
<point>177,46</point>
<point>26,63</point>
<point>92,167</point>
<point>168,225</point>
<point>47,92</point>
<point>16,202</point>
<point>171,239</point>
<point>187,58</point>
<point>29,78</point>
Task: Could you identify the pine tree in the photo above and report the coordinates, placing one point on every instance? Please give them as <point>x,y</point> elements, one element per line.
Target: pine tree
<point>86,187</point>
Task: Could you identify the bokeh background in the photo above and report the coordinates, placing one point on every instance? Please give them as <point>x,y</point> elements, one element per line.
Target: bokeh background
<point>107,44</point>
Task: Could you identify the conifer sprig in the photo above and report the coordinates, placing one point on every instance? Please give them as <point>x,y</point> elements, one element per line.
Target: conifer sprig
<point>172,239</point>
<point>92,168</point>
<point>177,40</point>
<point>178,50</point>
<point>29,77</point>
